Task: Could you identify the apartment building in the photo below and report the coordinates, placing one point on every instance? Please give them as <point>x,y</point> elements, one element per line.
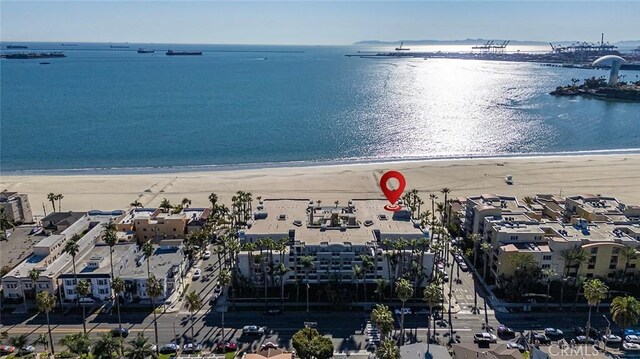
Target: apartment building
<point>153,224</point>
<point>50,259</point>
<point>16,206</point>
<point>335,237</point>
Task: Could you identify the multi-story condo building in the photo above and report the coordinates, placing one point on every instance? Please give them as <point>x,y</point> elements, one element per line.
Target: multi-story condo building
<point>336,238</point>
<point>95,267</point>
<point>153,224</point>
<point>16,206</point>
<point>50,259</point>
<point>167,264</point>
<point>601,226</point>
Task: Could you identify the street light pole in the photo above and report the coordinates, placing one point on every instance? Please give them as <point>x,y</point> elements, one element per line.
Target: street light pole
<point>606,333</point>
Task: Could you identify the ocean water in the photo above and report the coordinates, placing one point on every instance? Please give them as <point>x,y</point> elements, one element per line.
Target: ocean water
<point>102,108</point>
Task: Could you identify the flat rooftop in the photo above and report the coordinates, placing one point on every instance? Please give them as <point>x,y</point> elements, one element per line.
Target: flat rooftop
<point>162,260</point>
<point>505,203</point>
<point>368,218</point>
<point>100,255</point>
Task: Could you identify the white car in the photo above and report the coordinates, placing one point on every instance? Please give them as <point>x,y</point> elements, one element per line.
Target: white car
<point>632,339</point>
<point>611,339</point>
<point>196,274</point>
<point>405,310</point>
<point>206,255</point>
<point>86,300</point>
<point>253,329</point>
<point>484,337</point>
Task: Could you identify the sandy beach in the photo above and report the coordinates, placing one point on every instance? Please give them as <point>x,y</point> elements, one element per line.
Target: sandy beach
<point>617,175</point>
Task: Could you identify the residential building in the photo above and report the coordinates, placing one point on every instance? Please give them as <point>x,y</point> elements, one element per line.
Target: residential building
<point>336,238</point>
<point>59,221</point>
<point>50,259</point>
<point>153,224</point>
<point>95,267</point>
<point>196,218</point>
<point>167,264</point>
<point>16,206</point>
<point>489,205</point>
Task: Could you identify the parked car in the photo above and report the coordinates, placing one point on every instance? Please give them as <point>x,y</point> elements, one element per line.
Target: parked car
<point>632,339</point>
<point>6,349</point>
<point>207,254</point>
<point>226,347</point>
<point>506,332</point>
<point>612,339</point>
<point>581,339</point>
<point>514,345</point>
<point>192,348</point>
<point>273,311</point>
<point>540,337</point>
<point>553,333</point>
<point>27,349</point>
<point>484,338</point>
<point>169,348</point>
<point>463,266</point>
<point>626,346</point>
<point>253,329</point>
<point>217,290</point>
<point>593,332</point>
<point>120,332</point>
<point>196,274</point>
<point>86,300</point>
<point>406,310</point>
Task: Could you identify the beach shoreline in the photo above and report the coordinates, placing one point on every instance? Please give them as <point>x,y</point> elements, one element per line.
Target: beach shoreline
<point>615,174</point>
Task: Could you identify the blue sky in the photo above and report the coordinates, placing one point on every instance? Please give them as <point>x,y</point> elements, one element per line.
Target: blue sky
<point>314,22</point>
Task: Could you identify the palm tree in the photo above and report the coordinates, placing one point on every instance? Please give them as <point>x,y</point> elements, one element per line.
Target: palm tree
<point>336,203</point>
<point>72,247</point>
<point>383,319</point>
<point>629,254</point>
<point>42,339</point>
<point>140,349</point>
<point>186,202</point>
<point>193,304</point>
<point>77,343</point>
<point>595,291</point>
<point>136,204</point>
<point>45,302</point>
<point>432,295</point>
<point>59,198</point>
<point>367,265</point>
<point>404,291</point>
<point>357,274</point>
<point>625,311</point>
<point>5,223</point>
<point>446,192</point>
<point>225,280</point>
<point>571,257</point>
<point>486,249</point>
<point>154,290</point>
<point>548,273</point>
<point>280,270</point>
<point>307,264</point>
<point>52,198</point>
<point>19,342</point>
<point>388,350</point>
<point>107,346</point>
<point>83,288</point>
<point>34,275</point>
<point>528,200</point>
<point>117,286</point>
<point>165,204</point>
<point>213,198</point>
<point>110,237</point>
<point>381,287</point>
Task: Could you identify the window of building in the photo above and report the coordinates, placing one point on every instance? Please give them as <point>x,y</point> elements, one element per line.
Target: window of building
<point>546,258</point>
<point>612,266</point>
<point>12,285</point>
<point>591,266</point>
<point>103,291</point>
<point>70,292</point>
<point>594,250</point>
<point>174,229</point>
<point>616,250</point>
<point>614,259</point>
<point>546,266</point>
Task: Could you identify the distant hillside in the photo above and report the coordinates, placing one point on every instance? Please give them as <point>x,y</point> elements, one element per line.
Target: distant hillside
<point>625,43</point>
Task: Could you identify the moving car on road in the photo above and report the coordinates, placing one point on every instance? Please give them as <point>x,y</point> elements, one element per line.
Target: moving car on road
<point>207,254</point>
<point>553,333</point>
<point>192,348</point>
<point>540,337</point>
<point>169,348</point>
<point>120,332</point>
<point>484,338</point>
<point>407,311</point>
<point>632,339</point>
<point>253,329</point>
<point>6,349</point>
<point>506,332</point>
<point>196,274</point>
<point>611,339</point>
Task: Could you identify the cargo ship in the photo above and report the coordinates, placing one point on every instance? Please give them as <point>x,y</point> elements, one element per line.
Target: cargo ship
<point>119,46</point>
<point>183,53</point>
<point>145,51</point>
<point>12,47</point>
<point>32,55</point>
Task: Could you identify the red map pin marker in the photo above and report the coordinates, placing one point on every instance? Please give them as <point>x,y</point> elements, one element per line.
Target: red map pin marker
<point>392,195</point>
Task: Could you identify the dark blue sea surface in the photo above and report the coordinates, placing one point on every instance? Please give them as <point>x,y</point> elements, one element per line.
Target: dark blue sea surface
<point>114,108</point>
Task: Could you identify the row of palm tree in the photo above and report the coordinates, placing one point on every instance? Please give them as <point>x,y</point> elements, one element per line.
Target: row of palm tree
<point>53,197</point>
